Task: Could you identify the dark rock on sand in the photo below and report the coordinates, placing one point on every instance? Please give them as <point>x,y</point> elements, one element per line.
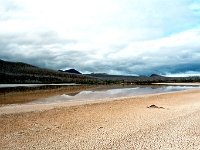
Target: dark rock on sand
<point>154,106</point>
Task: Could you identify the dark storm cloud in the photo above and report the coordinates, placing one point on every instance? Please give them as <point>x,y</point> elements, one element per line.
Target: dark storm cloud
<point>180,68</point>
<point>47,50</point>
<point>34,48</point>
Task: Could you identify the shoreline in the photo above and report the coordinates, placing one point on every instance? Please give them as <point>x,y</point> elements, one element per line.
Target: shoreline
<point>179,84</point>
<point>26,95</point>
<point>34,107</point>
<point>125,123</point>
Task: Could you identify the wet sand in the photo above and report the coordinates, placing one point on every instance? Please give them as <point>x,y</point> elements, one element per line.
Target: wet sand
<point>22,95</point>
<point>120,124</point>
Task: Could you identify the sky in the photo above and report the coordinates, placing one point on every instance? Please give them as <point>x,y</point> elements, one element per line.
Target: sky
<point>128,37</point>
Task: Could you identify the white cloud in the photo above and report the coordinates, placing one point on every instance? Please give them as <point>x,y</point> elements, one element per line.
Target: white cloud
<point>114,36</point>
<point>183,74</point>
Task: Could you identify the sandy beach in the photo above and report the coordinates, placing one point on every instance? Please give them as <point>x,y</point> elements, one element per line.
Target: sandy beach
<point>120,124</point>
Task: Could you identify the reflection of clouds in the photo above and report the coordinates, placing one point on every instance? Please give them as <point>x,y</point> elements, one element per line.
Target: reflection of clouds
<point>85,92</point>
<point>126,92</point>
<point>65,96</point>
<point>113,93</point>
<point>121,91</point>
<point>172,88</point>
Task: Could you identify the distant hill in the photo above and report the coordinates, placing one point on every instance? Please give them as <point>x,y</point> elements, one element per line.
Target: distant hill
<point>156,75</point>
<point>154,78</point>
<point>18,72</point>
<point>118,78</point>
<point>70,71</point>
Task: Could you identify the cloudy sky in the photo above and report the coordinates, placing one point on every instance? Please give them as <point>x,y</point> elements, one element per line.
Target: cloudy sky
<point>112,36</point>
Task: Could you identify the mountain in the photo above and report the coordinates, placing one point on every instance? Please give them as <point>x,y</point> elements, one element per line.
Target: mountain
<point>19,72</point>
<point>154,78</point>
<point>70,71</point>
<point>118,78</point>
<point>156,75</point>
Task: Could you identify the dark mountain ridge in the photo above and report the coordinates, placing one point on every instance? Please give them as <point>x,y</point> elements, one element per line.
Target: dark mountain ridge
<point>156,75</point>
<point>71,71</point>
<point>154,78</point>
<point>18,72</point>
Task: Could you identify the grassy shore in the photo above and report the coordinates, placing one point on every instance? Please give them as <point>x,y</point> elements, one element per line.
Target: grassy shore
<point>119,124</point>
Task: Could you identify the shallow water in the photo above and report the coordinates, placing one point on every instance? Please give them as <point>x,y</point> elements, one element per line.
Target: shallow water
<point>32,85</point>
<point>111,93</point>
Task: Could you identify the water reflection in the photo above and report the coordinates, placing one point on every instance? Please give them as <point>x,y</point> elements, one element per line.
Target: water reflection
<point>73,94</point>
<point>34,85</point>
<point>112,93</point>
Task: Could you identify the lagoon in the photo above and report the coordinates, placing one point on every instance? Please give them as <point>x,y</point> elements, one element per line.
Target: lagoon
<point>107,93</point>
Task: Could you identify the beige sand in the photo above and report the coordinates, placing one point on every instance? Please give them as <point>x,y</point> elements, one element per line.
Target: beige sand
<point>122,124</point>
